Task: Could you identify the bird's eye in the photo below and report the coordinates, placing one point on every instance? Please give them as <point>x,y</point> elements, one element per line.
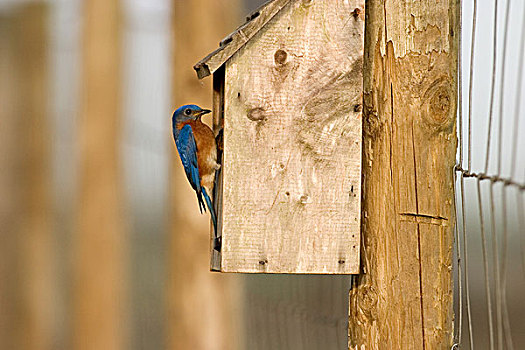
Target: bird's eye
<point>187,111</point>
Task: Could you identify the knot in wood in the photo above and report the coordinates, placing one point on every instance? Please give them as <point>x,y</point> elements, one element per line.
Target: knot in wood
<point>256,114</point>
<point>355,13</point>
<point>440,106</point>
<point>437,104</point>
<point>372,123</point>
<point>368,304</point>
<point>280,57</point>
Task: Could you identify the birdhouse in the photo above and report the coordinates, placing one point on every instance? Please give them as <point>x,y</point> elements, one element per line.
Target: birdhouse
<point>287,110</point>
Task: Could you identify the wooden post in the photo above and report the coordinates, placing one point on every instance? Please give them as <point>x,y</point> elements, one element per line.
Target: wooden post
<point>26,233</point>
<point>201,313</point>
<point>100,246</point>
<point>7,160</point>
<point>26,236</point>
<point>403,298</point>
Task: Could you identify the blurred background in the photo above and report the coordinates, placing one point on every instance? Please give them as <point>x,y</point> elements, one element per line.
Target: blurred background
<point>101,242</point>
<point>491,215</point>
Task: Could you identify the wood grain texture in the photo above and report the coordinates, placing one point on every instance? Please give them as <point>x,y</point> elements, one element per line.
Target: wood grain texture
<point>292,143</point>
<point>403,299</point>
<point>100,242</point>
<point>233,42</point>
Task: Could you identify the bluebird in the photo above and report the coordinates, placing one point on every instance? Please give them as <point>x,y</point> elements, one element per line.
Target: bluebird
<point>198,152</point>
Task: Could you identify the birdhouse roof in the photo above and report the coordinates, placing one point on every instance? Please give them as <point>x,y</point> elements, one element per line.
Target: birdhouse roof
<point>234,41</point>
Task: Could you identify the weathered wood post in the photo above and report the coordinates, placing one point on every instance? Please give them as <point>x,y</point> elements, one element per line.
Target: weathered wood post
<point>403,298</point>
<point>100,242</point>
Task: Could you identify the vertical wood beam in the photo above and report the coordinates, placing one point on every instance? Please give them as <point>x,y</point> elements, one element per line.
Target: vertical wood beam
<point>202,313</point>
<point>100,243</point>
<point>7,161</point>
<point>403,298</point>
<point>26,237</point>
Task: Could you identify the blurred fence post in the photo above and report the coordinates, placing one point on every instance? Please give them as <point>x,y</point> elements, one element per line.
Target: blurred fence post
<point>203,308</point>
<point>100,247</point>
<point>26,257</point>
<point>403,298</point>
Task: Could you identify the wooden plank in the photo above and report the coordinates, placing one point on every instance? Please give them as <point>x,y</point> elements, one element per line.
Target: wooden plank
<point>233,42</point>
<point>403,299</point>
<point>292,143</point>
<point>100,246</point>
<point>218,126</point>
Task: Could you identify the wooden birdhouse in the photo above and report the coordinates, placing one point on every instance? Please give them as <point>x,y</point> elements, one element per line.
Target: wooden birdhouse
<point>287,109</point>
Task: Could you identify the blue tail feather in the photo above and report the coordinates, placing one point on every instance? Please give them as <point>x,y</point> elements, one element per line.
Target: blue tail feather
<point>210,208</point>
<point>202,207</point>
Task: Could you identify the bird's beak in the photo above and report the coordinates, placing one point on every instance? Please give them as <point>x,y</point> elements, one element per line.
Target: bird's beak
<point>204,111</point>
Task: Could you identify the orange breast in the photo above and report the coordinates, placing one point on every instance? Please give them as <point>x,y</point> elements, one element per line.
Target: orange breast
<point>206,151</point>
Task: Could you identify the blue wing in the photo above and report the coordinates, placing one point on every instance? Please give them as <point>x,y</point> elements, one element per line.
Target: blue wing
<point>188,154</point>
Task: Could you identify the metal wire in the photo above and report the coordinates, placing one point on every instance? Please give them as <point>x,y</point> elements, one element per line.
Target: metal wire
<point>494,250</point>
<point>492,83</point>
<point>517,99</point>
<point>492,178</point>
<point>495,268</point>
<point>502,84</point>
<point>460,277</point>
<point>503,273</point>
<point>465,256</point>
<point>486,267</point>
<point>296,311</point>
<point>470,83</point>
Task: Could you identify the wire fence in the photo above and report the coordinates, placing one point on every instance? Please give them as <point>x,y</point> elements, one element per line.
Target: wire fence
<point>490,178</point>
<point>295,312</point>
<point>310,312</point>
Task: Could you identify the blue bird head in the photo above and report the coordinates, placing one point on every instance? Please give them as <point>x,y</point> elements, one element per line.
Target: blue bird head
<point>184,114</point>
<point>188,112</point>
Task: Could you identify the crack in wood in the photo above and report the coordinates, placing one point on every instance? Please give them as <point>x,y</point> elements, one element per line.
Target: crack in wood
<point>391,171</point>
<point>437,217</point>
<point>424,219</point>
<point>418,241</point>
